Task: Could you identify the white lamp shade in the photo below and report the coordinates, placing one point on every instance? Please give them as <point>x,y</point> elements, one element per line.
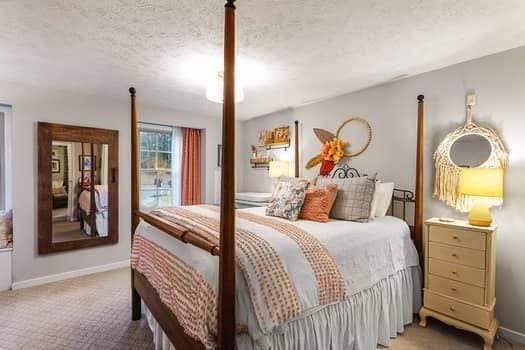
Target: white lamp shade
<point>214,91</point>
<point>279,168</point>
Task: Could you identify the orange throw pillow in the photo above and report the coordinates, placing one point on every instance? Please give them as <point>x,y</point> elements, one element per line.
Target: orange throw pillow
<point>318,203</point>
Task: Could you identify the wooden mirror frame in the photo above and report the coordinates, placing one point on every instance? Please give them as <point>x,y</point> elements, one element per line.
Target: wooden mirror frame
<point>47,133</point>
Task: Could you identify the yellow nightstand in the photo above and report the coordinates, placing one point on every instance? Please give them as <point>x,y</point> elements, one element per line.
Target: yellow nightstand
<point>460,270</point>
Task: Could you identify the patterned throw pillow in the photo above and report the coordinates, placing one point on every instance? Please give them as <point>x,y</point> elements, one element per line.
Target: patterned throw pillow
<point>287,199</point>
<point>318,202</point>
<point>354,197</point>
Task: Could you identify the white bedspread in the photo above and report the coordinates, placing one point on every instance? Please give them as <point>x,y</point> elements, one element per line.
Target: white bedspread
<point>257,197</point>
<point>367,319</point>
<point>364,253</point>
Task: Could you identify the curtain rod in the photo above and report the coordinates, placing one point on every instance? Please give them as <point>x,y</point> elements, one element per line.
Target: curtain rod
<point>168,126</point>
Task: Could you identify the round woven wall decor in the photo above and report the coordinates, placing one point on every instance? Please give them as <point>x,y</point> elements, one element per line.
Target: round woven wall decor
<point>446,184</point>
<point>368,139</point>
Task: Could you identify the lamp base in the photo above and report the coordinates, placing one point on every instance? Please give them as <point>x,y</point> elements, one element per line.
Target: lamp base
<point>479,215</point>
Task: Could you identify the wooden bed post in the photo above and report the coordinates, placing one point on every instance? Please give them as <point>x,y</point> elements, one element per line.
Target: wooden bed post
<point>92,205</point>
<point>136,311</point>
<point>296,150</point>
<point>418,220</point>
<point>82,173</point>
<point>227,324</point>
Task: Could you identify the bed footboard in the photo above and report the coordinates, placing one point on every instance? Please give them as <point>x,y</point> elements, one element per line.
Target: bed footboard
<point>167,320</point>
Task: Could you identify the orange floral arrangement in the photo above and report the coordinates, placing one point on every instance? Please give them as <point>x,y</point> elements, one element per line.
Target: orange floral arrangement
<point>333,150</point>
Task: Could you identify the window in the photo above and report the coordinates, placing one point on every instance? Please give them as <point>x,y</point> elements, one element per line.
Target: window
<point>160,151</point>
<point>2,162</point>
<point>6,218</point>
<point>5,158</point>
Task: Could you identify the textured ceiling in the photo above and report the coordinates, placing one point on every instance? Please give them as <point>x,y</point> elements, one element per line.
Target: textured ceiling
<point>290,52</point>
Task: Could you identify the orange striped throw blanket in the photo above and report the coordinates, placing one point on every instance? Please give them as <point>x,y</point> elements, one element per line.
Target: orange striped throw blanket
<point>286,270</point>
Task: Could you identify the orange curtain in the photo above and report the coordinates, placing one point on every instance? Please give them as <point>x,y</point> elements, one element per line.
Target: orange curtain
<point>191,166</point>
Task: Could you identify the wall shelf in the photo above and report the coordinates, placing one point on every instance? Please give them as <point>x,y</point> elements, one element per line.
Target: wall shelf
<point>270,146</point>
<point>260,165</point>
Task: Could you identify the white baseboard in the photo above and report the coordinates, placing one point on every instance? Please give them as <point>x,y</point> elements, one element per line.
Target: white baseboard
<point>511,335</point>
<point>70,274</point>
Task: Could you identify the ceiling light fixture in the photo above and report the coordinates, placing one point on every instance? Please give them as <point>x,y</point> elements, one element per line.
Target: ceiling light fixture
<point>214,91</point>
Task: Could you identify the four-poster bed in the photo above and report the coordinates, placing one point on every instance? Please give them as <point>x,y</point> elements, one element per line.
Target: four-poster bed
<point>200,227</point>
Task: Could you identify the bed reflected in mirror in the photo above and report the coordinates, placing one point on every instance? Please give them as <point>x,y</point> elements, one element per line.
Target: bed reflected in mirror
<point>77,187</point>
<point>79,175</point>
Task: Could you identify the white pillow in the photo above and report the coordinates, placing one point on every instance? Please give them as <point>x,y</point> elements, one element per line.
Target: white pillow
<point>373,205</point>
<point>382,198</point>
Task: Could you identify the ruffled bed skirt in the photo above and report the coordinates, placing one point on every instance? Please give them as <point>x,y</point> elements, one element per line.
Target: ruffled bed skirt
<point>366,319</point>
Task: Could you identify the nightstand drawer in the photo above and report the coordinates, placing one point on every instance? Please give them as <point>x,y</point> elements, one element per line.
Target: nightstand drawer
<point>457,237</point>
<point>458,310</point>
<point>456,289</point>
<point>455,254</point>
<point>457,272</point>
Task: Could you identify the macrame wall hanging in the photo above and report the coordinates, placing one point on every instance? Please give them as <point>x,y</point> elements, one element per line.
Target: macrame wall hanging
<point>333,148</point>
<point>446,184</point>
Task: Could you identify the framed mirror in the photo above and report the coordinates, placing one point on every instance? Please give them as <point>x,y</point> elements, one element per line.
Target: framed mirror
<point>77,187</point>
<point>469,146</point>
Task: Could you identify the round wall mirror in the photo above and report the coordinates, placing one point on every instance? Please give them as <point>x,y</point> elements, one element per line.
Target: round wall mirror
<point>470,151</point>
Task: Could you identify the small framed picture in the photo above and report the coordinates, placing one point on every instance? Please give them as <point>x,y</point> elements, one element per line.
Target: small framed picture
<point>55,165</point>
<point>86,162</point>
<point>282,134</point>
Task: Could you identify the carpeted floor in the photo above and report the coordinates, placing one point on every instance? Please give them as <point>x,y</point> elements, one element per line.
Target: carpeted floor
<point>64,231</point>
<point>93,312</point>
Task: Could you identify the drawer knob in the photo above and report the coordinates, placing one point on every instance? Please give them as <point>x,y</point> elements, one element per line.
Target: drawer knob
<point>454,272</point>
<point>453,289</point>
<point>455,237</point>
<point>452,308</point>
<point>454,255</point>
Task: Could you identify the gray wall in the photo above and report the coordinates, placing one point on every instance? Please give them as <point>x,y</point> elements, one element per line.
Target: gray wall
<point>499,82</point>
<point>34,104</point>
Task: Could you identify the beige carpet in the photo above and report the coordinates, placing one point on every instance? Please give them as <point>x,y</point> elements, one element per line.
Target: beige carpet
<point>93,312</point>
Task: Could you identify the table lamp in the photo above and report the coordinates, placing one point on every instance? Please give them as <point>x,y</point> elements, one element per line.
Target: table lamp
<point>279,168</point>
<point>481,182</point>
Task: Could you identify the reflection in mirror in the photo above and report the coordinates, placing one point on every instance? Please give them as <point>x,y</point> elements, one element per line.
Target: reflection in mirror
<point>470,151</point>
<point>79,178</point>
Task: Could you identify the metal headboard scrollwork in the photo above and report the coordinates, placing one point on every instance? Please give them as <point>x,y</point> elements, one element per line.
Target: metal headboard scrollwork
<point>401,196</point>
<point>345,171</point>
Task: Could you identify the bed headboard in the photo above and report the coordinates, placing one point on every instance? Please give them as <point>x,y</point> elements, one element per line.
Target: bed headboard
<point>401,199</point>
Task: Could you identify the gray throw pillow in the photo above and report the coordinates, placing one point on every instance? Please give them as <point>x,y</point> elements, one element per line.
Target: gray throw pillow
<point>354,197</point>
